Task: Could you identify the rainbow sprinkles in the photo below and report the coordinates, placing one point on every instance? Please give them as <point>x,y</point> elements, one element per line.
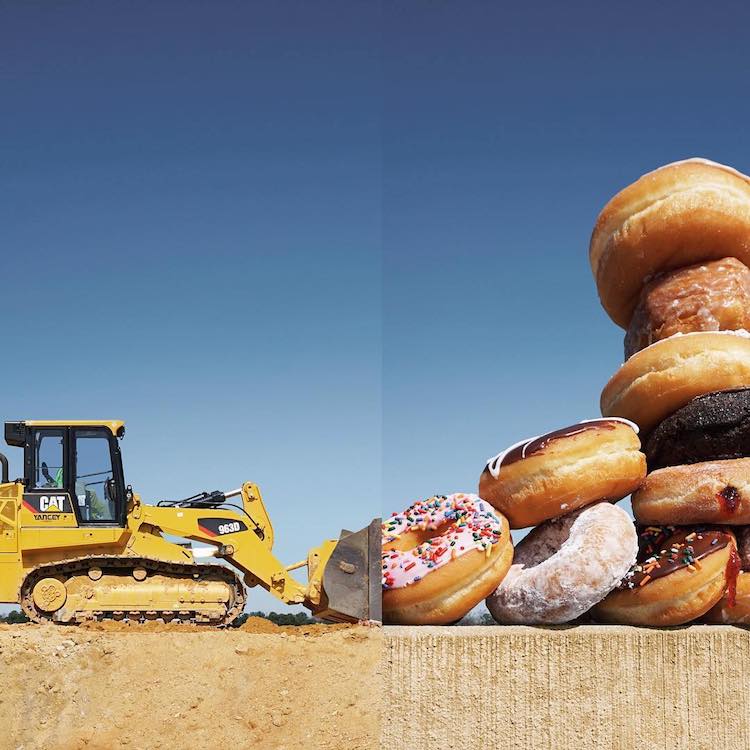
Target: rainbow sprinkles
<point>466,522</point>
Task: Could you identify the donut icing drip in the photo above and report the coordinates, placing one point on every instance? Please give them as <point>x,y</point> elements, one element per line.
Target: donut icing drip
<point>665,549</point>
<point>466,523</point>
<point>530,446</point>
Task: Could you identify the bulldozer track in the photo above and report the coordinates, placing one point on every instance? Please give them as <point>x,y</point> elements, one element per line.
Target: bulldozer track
<point>114,564</point>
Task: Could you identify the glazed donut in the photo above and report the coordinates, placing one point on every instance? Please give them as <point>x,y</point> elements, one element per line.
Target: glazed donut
<point>662,378</point>
<point>683,213</point>
<point>679,576</point>
<point>565,566</point>
<point>708,428</point>
<point>441,557</point>
<point>713,296</point>
<point>553,474</point>
<point>714,492</point>
<point>734,607</point>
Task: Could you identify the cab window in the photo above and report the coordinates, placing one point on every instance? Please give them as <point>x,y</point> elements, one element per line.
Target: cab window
<point>94,479</point>
<point>48,459</point>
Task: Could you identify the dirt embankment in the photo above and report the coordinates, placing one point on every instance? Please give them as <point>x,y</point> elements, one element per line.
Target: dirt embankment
<point>112,686</point>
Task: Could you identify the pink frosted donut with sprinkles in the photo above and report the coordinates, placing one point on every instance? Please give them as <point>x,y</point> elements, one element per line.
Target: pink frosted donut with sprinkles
<point>441,557</point>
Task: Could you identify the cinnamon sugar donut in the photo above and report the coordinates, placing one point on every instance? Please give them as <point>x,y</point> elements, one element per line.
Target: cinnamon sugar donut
<point>441,557</point>
<point>565,566</point>
<point>553,474</point>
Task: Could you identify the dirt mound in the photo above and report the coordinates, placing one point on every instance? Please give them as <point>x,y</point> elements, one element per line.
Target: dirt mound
<point>317,629</point>
<point>97,687</point>
<point>261,625</point>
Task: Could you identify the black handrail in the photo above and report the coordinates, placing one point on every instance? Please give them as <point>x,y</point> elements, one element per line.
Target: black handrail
<point>4,462</point>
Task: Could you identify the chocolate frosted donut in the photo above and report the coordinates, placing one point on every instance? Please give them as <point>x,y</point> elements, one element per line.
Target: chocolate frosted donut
<point>712,296</point>
<point>664,549</point>
<point>709,428</point>
<point>680,574</point>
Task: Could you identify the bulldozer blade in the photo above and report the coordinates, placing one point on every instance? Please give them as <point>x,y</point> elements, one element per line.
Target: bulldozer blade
<point>351,579</point>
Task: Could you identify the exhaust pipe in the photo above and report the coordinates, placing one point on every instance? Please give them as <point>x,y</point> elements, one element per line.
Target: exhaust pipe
<point>4,462</point>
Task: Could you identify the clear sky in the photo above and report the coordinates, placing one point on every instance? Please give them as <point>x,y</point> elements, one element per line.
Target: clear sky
<point>190,239</point>
<point>339,248</point>
<point>507,127</point>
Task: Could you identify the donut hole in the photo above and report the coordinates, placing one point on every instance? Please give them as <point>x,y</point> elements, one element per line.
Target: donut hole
<point>415,537</point>
<point>544,542</point>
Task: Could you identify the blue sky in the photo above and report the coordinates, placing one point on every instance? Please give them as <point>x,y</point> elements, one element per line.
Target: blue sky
<point>190,234</point>
<point>337,248</point>
<point>506,129</point>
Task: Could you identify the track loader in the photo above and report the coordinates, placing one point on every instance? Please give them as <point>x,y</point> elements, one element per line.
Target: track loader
<point>77,544</point>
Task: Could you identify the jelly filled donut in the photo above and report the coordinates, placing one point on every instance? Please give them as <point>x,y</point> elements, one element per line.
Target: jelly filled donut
<point>712,296</point>
<point>708,428</point>
<point>734,607</point>
<point>553,474</point>
<point>680,574</point>
<point>564,567</point>
<point>662,378</point>
<point>680,214</point>
<point>714,492</point>
<point>441,557</point>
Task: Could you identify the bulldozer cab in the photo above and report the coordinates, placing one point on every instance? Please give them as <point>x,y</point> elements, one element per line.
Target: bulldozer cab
<point>72,468</point>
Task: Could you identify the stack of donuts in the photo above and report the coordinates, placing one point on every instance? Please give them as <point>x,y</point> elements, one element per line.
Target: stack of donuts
<point>669,256</point>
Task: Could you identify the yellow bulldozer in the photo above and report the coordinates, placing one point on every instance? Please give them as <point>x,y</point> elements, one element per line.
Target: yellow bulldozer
<point>77,544</point>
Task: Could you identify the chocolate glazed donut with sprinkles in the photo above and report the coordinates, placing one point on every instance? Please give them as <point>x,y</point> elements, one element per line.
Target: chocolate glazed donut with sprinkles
<point>441,557</point>
<point>680,574</point>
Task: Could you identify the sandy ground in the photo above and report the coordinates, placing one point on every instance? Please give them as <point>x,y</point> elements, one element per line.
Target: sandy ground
<point>113,686</point>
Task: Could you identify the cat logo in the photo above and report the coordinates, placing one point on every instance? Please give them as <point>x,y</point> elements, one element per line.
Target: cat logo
<point>51,503</point>
<point>46,507</point>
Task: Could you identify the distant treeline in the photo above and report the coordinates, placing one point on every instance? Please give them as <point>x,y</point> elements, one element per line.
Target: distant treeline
<point>14,617</point>
<point>477,618</point>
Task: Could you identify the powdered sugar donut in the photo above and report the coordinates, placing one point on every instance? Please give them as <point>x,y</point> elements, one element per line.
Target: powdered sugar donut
<point>565,566</point>
<point>441,557</point>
